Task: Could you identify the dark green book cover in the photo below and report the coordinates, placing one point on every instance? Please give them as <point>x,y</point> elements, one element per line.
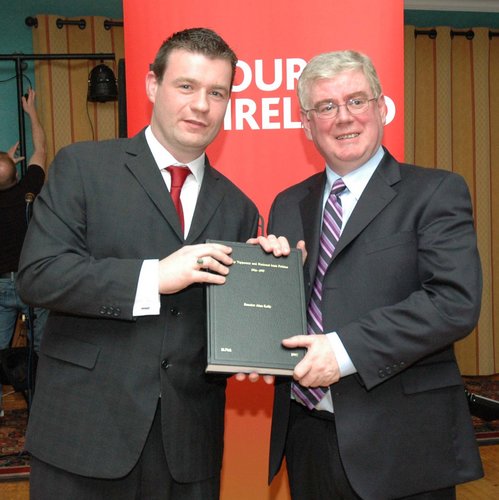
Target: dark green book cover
<point>261,303</point>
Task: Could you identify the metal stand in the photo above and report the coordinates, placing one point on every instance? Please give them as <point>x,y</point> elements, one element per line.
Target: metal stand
<point>31,362</point>
<point>19,59</point>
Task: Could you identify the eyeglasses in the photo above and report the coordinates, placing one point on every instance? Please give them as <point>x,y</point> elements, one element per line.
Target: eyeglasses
<point>328,109</point>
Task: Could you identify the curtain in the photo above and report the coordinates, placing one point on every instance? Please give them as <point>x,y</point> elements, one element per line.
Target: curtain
<point>61,85</point>
<point>452,122</point>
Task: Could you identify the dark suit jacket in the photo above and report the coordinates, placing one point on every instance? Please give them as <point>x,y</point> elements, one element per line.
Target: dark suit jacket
<point>403,286</point>
<point>103,211</point>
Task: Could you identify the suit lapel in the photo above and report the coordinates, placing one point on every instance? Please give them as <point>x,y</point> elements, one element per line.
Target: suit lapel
<point>311,212</point>
<point>143,167</point>
<point>376,196</point>
<point>209,199</point>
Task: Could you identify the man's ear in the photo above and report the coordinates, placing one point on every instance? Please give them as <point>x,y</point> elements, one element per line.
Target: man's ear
<point>305,122</point>
<point>151,85</point>
<point>383,110</point>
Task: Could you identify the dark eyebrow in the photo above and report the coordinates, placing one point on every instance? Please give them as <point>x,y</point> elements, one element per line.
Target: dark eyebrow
<point>221,87</point>
<point>183,79</point>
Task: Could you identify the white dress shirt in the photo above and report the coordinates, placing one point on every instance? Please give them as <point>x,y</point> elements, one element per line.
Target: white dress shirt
<point>147,298</point>
<point>355,183</point>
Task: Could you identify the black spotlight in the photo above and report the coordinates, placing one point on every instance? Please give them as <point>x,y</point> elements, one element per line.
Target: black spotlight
<point>102,84</point>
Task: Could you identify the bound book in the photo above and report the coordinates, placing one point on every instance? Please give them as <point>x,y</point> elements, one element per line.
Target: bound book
<point>261,303</point>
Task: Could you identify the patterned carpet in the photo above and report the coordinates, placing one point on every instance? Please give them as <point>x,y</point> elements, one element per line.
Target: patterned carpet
<point>15,463</point>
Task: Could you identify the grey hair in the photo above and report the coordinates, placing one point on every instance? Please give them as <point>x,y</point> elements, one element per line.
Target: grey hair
<point>330,64</point>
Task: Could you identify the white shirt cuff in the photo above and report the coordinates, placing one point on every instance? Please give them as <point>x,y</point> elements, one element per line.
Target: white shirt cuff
<point>147,298</point>
<point>345,364</point>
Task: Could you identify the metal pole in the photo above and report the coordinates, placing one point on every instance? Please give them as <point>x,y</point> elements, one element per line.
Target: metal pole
<point>18,59</point>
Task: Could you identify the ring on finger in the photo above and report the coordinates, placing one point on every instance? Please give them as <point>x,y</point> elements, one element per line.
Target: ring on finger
<point>200,261</point>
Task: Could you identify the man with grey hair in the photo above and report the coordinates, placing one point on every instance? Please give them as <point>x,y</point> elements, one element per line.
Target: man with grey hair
<point>376,409</point>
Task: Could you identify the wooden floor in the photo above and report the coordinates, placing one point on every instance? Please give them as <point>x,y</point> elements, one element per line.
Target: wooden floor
<point>483,489</point>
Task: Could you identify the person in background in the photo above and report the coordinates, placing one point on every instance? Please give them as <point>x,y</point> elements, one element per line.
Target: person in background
<point>16,196</point>
<point>376,409</point>
<point>123,407</point>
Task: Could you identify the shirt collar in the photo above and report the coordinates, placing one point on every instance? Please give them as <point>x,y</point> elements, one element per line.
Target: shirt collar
<point>356,180</point>
<point>164,158</point>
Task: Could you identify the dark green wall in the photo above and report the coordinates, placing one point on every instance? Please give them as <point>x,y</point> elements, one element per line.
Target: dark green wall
<point>15,37</point>
<point>431,18</point>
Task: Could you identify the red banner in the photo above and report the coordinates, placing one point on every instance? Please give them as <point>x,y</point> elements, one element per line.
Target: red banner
<point>262,148</point>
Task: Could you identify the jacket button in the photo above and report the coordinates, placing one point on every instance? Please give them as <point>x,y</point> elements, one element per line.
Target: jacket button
<point>381,373</point>
<point>174,311</point>
<point>164,364</point>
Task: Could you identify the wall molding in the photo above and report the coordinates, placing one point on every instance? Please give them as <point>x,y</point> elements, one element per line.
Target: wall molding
<point>453,5</point>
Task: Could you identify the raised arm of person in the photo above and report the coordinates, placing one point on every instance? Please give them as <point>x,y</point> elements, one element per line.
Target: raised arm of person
<point>39,156</point>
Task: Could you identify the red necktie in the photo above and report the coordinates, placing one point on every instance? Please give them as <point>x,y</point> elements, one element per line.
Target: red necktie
<point>179,175</point>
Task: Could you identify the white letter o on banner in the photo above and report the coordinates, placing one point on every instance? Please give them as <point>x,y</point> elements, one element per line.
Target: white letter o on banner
<point>390,114</point>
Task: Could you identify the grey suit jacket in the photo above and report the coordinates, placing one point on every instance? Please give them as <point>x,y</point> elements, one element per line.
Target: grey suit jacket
<point>104,210</point>
<point>403,286</point>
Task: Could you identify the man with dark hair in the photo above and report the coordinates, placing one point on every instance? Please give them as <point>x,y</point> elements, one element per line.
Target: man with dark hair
<point>199,40</point>
<point>16,196</point>
<point>123,407</point>
<point>377,408</point>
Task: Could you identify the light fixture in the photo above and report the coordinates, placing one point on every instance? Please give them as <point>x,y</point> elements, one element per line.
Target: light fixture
<point>102,84</point>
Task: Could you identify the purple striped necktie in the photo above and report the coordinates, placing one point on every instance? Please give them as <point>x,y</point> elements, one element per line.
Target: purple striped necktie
<point>331,229</point>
